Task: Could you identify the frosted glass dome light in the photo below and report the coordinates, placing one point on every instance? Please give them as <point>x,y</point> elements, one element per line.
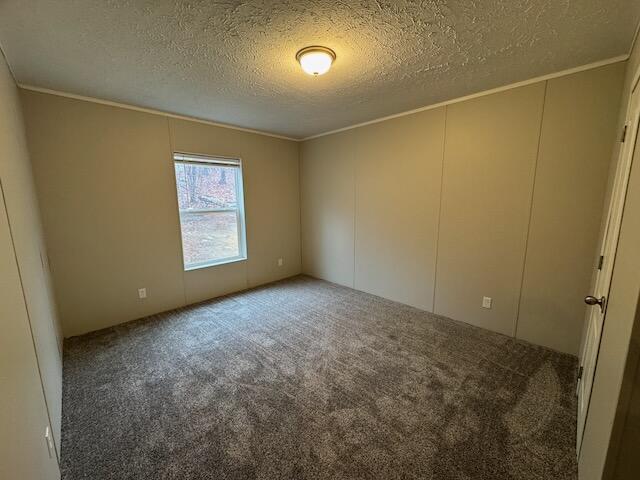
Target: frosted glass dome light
<point>316,60</point>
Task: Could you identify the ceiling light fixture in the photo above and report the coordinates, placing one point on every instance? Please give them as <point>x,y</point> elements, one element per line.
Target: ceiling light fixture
<point>316,60</point>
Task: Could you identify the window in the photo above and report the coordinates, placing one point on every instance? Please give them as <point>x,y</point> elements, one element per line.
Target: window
<point>211,210</point>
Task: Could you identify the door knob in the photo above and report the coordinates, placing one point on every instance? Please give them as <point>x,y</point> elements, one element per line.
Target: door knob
<point>590,300</point>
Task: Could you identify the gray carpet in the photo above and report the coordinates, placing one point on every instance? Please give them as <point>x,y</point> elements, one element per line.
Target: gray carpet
<point>303,379</point>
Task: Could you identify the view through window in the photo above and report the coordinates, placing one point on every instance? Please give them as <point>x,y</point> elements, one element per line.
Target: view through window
<point>211,210</point>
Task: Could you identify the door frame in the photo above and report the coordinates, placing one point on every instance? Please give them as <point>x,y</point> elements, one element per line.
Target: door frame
<point>615,210</point>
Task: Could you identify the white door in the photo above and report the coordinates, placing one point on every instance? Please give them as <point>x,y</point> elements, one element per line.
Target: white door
<point>598,299</point>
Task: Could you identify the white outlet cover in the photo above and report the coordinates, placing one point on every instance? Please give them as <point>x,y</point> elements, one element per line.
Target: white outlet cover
<point>486,302</point>
<point>142,292</point>
<point>280,262</point>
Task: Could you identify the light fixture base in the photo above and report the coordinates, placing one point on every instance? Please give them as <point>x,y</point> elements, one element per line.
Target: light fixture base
<point>315,48</point>
<point>316,60</point>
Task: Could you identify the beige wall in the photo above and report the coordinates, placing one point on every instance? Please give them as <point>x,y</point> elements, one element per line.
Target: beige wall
<point>397,196</point>
<point>30,361</point>
<point>490,156</point>
<point>106,187</point>
<point>328,208</point>
<point>568,196</point>
<point>23,412</point>
<point>364,177</point>
<point>372,197</point>
<point>621,310</point>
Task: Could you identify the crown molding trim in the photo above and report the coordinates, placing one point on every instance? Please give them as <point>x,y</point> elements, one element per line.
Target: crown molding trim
<point>152,111</point>
<point>562,73</point>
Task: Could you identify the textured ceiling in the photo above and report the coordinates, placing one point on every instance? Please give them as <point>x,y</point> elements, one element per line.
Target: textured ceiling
<point>234,61</point>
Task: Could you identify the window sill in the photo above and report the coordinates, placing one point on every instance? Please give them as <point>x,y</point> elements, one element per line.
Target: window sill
<point>215,263</point>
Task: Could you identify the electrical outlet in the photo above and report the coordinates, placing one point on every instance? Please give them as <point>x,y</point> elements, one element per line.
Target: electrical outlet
<point>486,302</point>
<point>142,292</point>
<point>280,262</point>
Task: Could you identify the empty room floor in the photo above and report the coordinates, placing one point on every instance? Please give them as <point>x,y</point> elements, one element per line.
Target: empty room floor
<point>304,379</point>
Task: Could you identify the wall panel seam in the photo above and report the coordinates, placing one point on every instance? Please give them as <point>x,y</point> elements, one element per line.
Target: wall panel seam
<point>299,148</point>
<point>531,199</point>
<point>171,150</point>
<point>435,267</point>
<point>354,161</point>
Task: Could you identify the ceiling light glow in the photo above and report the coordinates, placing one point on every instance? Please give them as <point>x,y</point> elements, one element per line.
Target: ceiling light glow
<point>316,60</point>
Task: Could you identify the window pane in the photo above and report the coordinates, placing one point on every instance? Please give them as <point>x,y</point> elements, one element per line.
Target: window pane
<point>209,237</point>
<point>206,186</point>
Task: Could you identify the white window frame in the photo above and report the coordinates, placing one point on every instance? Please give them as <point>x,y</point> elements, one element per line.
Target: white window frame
<point>189,158</point>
